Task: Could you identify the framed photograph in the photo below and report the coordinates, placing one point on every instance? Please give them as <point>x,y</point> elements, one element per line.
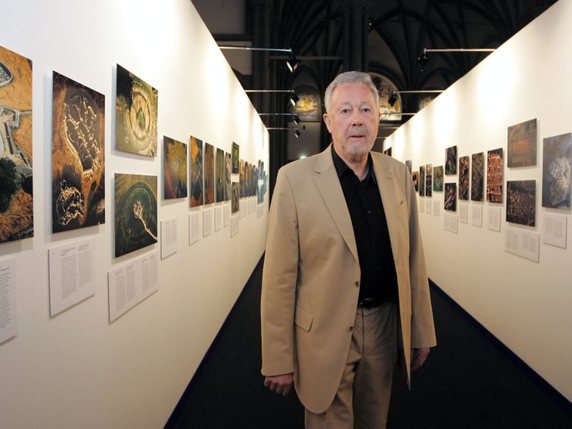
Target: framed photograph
<point>438,178</point>
<point>451,197</point>
<point>196,152</point>
<point>495,177</point>
<point>421,180</point>
<point>78,155</point>
<point>429,180</point>
<point>242,178</point>
<point>478,177</point>
<point>522,144</point>
<point>227,176</point>
<point>235,158</point>
<point>135,212</point>
<point>136,115</point>
<point>174,169</point>
<point>521,202</point>
<point>220,182</point>
<point>235,201</point>
<point>209,174</point>
<point>556,171</point>
<point>464,178</point>
<point>261,185</point>
<point>451,160</point>
<point>16,185</point>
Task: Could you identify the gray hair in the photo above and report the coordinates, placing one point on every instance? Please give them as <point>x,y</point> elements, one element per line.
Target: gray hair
<point>350,77</point>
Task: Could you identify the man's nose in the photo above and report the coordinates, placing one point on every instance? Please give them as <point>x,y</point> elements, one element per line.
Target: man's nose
<point>357,118</point>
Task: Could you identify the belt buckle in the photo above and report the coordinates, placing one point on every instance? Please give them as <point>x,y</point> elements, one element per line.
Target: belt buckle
<point>369,302</point>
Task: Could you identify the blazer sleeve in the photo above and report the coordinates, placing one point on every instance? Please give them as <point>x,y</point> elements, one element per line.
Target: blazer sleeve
<point>279,280</point>
<point>422,325</point>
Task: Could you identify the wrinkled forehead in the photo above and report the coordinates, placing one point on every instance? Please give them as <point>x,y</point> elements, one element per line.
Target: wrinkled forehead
<point>353,92</point>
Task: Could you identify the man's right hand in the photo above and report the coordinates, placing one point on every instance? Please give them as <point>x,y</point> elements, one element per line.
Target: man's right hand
<point>280,384</point>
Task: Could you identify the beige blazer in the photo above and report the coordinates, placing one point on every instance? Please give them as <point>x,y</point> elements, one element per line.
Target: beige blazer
<point>311,274</point>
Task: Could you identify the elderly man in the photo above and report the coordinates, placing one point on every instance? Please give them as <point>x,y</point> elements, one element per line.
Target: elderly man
<point>345,293</point>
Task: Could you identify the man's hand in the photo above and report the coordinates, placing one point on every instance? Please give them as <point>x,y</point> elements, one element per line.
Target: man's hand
<point>280,384</point>
<point>418,358</point>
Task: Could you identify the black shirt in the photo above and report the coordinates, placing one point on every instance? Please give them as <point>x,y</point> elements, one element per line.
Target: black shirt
<point>378,278</point>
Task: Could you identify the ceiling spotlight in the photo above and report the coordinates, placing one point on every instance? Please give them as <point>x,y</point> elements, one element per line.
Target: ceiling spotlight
<point>292,62</point>
<point>392,99</point>
<point>422,60</point>
<point>296,120</point>
<point>297,134</point>
<point>294,99</point>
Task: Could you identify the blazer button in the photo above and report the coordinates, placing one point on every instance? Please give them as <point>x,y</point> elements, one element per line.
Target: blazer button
<point>356,284</point>
<point>351,328</point>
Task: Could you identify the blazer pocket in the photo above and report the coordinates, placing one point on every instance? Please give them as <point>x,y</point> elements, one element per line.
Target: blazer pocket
<point>303,319</point>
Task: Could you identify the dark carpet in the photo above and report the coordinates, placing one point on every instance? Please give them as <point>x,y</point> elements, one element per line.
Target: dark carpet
<point>470,381</point>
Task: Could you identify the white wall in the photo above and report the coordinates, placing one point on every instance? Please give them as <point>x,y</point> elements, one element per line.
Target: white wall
<point>527,305</point>
<point>76,369</point>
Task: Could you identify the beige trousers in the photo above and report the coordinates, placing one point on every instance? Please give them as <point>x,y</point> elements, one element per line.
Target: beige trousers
<point>362,399</point>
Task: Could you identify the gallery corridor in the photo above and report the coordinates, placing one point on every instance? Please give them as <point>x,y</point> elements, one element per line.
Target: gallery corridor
<point>469,381</point>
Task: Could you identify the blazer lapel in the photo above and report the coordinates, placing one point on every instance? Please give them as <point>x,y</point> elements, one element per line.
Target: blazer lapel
<point>328,184</point>
<point>385,181</point>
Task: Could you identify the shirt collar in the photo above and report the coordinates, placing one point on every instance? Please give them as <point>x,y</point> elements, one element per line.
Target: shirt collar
<point>342,167</point>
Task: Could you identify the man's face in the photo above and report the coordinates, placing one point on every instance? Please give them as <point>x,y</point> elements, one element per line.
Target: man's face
<point>353,120</point>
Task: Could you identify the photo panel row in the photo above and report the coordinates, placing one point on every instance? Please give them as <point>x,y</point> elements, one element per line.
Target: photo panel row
<point>211,171</point>
<point>521,194</point>
<point>78,152</point>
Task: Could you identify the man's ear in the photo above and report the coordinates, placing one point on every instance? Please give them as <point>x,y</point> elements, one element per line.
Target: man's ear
<point>326,120</point>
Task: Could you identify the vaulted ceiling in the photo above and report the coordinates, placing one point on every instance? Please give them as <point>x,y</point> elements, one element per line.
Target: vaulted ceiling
<point>399,30</point>
<point>392,35</point>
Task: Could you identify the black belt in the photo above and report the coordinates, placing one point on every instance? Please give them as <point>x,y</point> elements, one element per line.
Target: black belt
<point>370,302</point>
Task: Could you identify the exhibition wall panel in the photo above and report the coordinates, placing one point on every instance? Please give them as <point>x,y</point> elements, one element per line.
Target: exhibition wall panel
<point>509,263</point>
<point>121,354</point>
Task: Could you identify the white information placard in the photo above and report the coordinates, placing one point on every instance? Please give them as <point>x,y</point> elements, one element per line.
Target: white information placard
<point>525,244</point>
<point>71,276</point>
<point>131,283</point>
<point>428,207</point>
<point>218,218</point>
<point>436,208</point>
<point>421,205</point>
<point>464,213</point>
<point>234,222</point>
<point>207,222</point>
<point>226,215</point>
<point>451,223</point>
<point>477,216</point>
<point>8,321</point>
<point>555,230</point>
<point>194,227</point>
<point>168,237</point>
<point>494,218</point>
